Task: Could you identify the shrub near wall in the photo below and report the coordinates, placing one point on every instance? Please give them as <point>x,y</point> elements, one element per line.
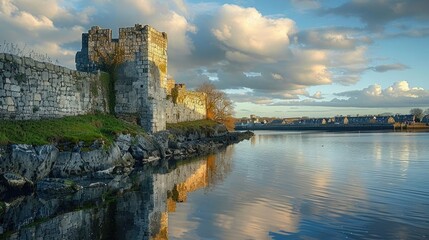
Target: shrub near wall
<point>31,89</point>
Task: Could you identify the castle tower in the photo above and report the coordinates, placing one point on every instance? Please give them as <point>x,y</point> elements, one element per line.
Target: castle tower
<point>141,80</point>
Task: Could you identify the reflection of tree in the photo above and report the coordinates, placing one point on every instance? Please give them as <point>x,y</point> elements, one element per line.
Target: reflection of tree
<point>253,141</point>
<point>219,166</point>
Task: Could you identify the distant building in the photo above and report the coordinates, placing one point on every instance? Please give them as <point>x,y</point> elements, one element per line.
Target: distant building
<point>409,118</point>
<point>278,122</point>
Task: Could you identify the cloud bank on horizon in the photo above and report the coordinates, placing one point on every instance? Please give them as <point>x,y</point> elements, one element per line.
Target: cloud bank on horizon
<point>294,53</point>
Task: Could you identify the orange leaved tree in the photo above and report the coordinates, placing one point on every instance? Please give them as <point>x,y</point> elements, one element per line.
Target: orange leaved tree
<point>219,107</point>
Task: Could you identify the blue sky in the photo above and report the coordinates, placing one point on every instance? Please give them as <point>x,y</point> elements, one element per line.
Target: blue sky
<point>283,58</point>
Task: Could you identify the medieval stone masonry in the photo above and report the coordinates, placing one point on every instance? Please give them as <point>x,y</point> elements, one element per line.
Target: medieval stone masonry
<point>31,89</point>
<point>143,94</point>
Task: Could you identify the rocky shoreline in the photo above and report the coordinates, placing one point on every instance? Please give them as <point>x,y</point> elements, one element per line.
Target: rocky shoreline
<point>59,168</point>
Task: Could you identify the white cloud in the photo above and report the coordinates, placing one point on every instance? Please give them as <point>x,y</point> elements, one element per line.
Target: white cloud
<point>34,28</point>
<point>317,95</point>
<point>245,31</point>
<point>11,14</point>
<point>349,65</point>
<point>373,90</point>
<point>402,89</point>
<point>252,74</point>
<point>332,38</point>
<point>7,8</point>
<point>277,76</point>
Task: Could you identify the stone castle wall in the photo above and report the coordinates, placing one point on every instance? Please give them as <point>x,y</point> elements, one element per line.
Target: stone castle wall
<point>190,105</point>
<point>31,89</point>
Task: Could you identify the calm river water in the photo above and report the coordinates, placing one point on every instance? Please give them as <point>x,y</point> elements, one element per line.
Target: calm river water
<point>310,185</point>
<point>278,185</point>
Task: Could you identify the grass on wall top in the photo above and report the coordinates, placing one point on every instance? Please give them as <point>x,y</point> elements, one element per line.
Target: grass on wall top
<point>191,125</point>
<point>87,128</point>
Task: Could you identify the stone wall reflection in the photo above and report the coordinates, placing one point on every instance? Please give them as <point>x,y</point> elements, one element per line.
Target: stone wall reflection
<point>93,213</point>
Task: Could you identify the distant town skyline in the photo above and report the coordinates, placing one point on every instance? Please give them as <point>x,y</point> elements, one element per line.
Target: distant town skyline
<point>276,58</point>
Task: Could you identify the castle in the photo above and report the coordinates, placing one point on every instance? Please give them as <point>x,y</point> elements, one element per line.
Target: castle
<point>142,91</point>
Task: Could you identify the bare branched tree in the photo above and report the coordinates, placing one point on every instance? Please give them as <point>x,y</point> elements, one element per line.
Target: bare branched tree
<point>219,107</point>
<point>418,113</point>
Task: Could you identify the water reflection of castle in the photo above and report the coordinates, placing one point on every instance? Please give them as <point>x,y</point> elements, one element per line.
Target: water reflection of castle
<point>166,188</point>
<point>189,178</point>
<point>140,214</point>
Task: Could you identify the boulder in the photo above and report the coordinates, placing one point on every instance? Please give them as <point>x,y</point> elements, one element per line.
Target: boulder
<point>31,162</point>
<point>124,142</point>
<point>145,143</point>
<point>13,185</point>
<point>57,186</point>
<point>138,153</point>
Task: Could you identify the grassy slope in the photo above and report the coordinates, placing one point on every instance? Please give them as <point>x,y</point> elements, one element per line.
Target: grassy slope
<point>192,125</point>
<point>85,128</point>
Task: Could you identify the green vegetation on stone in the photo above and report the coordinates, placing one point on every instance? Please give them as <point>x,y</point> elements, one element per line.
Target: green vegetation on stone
<point>108,83</point>
<point>87,128</point>
<point>191,125</point>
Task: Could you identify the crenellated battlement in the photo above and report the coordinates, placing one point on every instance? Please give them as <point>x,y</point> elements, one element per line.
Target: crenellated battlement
<point>143,42</point>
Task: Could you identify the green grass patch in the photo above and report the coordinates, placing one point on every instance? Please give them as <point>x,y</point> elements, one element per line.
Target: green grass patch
<point>191,125</point>
<point>87,128</point>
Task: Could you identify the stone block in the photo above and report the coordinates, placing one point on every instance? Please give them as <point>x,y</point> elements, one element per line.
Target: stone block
<point>11,108</point>
<point>7,74</point>
<point>37,97</point>
<point>8,57</point>
<point>9,101</point>
<point>17,59</point>
<point>29,61</point>
<point>15,88</point>
<point>40,65</point>
<point>50,66</point>
<point>45,76</point>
